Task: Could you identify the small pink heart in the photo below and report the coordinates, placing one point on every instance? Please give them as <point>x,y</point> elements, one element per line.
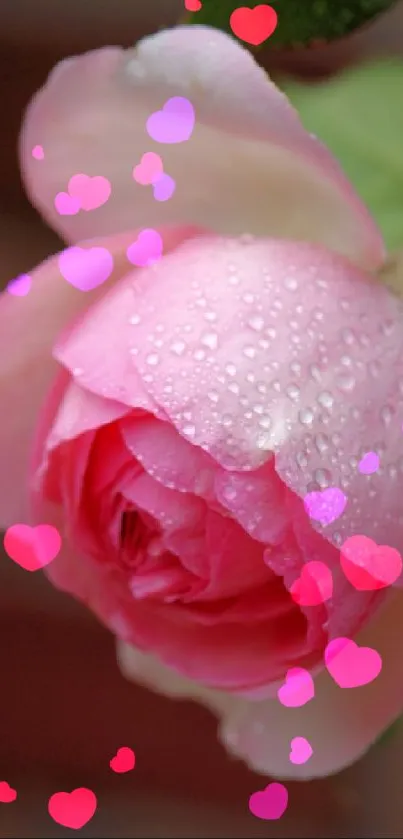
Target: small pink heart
<point>298,688</point>
<point>67,205</point>
<point>7,793</point>
<point>21,286</point>
<point>314,586</point>
<point>325,506</point>
<point>270,803</point>
<point>369,463</point>
<point>32,547</point>
<point>90,192</point>
<point>174,124</point>
<point>350,665</point>
<point>38,153</point>
<point>85,268</point>
<point>149,169</point>
<point>124,760</point>
<point>164,188</point>
<point>301,751</point>
<point>72,809</point>
<point>147,248</point>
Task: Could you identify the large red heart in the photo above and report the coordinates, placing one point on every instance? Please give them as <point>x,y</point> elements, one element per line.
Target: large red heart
<point>73,809</point>
<point>32,547</point>
<point>253,25</point>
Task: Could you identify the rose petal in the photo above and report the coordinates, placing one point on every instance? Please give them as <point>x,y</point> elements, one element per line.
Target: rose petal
<point>334,723</point>
<point>340,724</point>
<point>28,333</point>
<point>289,350</point>
<point>168,458</point>
<point>248,166</point>
<point>227,372</point>
<point>149,671</point>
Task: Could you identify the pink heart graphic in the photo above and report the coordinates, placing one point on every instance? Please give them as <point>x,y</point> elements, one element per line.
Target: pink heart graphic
<point>90,192</point>
<point>314,586</point>
<point>352,666</point>
<point>270,803</point>
<point>164,188</point>
<point>124,760</point>
<point>149,169</point>
<point>85,269</point>
<point>72,809</point>
<point>174,124</point>
<point>147,248</point>
<point>369,463</point>
<point>38,153</point>
<point>368,566</point>
<point>298,688</point>
<point>21,286</point>
<point>67,205</point>
<point>301,751</point>
<point>325,506</point>
<point>32,547</point>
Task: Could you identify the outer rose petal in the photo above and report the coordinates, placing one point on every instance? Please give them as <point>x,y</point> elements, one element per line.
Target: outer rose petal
<point>313,348</point>
<point>28,331</point>
<point>249,165</point>
<point>149,671</point>
<point>340,724</point>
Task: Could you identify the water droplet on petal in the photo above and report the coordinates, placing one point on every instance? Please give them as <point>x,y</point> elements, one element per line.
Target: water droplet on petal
<point>293,392</point>
<point>386,414</point>
<point>345,382</point>
<point>178,347</point>
<point>213,396</point>
<point>153,359</point>
<point>306,416</point>
<point>326,399</point>
<point>256,323</point>
<point>210,340</point>
<point>210,316</point>
<point>265,422</point>
<point>290,283</point>
<point>249,351</point>
<point>323,478</point>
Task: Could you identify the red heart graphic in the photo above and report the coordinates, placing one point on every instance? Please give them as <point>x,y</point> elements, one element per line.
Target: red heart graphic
<point>72,809</point>
<point>253,25</point>
<point>124,760</point>
<point>314,586</point>
<point>7,793</point>
<point>369,566</point>
<point>32,547</point>
<point>193,5</point>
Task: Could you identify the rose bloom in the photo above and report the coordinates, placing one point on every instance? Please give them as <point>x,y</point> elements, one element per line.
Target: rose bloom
<point>170,421</point>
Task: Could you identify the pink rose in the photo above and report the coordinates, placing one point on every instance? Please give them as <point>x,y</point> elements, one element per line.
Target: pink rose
<point>181,411</point>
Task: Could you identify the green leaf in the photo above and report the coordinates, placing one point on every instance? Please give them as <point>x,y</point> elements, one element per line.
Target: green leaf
<point>359,116</point>
<point>390,732</point>
<point>300,22</point>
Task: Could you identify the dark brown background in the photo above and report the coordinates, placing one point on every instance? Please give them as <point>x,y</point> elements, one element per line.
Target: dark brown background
<point>64,707</point>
